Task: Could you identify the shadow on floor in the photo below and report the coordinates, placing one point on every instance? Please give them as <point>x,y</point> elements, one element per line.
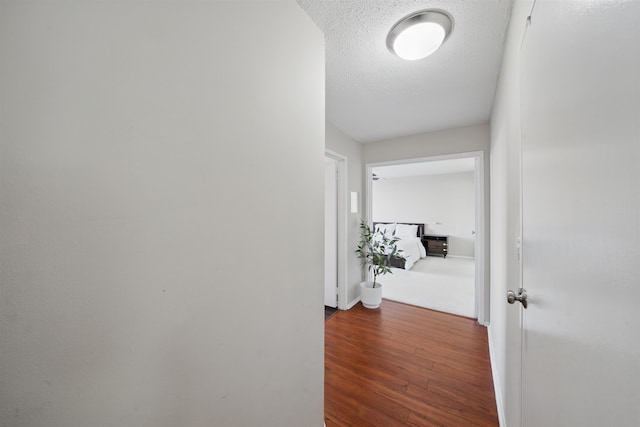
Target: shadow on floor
<point>329,311</point>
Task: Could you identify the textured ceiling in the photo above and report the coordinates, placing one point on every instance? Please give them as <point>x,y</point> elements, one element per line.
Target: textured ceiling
<point>374,95</point>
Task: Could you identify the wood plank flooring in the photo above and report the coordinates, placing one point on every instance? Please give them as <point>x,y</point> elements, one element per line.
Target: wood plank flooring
<point>402,365</point>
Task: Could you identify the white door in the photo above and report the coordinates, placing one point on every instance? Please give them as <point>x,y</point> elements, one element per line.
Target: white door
<point>581,214</point>
<point>330,233</point>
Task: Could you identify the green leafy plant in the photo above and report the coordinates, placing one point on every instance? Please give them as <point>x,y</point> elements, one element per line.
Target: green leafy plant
<point>375,249</point>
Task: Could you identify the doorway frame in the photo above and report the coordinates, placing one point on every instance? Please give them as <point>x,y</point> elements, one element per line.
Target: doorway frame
<point>481,299</point>
<point>341,167</point>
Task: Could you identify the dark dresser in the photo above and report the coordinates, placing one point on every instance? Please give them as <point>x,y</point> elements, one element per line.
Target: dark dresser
<point>436,244</point>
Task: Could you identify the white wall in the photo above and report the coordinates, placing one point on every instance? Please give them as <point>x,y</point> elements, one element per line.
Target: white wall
<point>146,149</point>
<point>448,200</point>
<point>459,140</point>
<point>344,145</point>
<point>450,141</point>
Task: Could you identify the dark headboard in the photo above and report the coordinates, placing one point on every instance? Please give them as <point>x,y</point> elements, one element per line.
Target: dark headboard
<point>420,226</point>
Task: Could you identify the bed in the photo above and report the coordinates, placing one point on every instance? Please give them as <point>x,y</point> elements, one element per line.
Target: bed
<point>410,243</point>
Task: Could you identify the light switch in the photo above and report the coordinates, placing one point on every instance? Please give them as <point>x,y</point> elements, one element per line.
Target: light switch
<point>354,202</point>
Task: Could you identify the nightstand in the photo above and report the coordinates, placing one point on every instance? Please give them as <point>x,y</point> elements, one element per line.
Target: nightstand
<point>436,244</point>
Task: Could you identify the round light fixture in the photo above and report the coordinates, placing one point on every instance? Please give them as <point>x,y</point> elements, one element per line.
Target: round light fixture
<point>418,35</point>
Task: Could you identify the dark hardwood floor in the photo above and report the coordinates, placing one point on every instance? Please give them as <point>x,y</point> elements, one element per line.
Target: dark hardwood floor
<point>402,365</point>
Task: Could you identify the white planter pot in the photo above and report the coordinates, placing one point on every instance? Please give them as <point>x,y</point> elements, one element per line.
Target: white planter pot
<point>369,296</point>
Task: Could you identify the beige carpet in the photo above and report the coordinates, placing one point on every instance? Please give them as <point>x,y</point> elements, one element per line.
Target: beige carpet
<point>443,284</point>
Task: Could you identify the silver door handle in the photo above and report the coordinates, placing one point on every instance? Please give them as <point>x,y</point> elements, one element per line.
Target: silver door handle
<point>521,296</point>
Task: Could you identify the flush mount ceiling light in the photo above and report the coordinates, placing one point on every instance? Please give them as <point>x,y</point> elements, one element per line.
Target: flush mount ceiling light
<point>418,35</point>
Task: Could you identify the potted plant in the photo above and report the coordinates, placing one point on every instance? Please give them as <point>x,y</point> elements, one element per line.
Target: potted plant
<point>375,249</point>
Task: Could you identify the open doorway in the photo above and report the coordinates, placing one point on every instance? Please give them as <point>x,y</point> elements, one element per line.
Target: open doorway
<point>330,233</point>
<point>335,230</point>
<point>446,194</point>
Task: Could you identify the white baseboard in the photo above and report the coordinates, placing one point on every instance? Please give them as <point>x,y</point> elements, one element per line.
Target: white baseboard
<point>496,384</point>
<point>459,256</point>
<point>352,303</point>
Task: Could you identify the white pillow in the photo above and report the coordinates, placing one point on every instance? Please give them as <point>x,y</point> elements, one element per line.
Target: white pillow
<point>387,229</point>
<point>406,230</point>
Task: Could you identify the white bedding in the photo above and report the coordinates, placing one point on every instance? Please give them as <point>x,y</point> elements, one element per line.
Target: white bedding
<point>411,246</point>
<point>412,250</point>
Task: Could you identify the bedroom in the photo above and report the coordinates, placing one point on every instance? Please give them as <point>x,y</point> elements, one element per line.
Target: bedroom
<point>439,196</point>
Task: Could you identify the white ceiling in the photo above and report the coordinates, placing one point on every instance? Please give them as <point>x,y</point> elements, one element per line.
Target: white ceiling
<point>438,167</point>
<point>372,95</point>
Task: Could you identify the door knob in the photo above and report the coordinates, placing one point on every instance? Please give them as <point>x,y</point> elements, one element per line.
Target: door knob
<point>521,296</point>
